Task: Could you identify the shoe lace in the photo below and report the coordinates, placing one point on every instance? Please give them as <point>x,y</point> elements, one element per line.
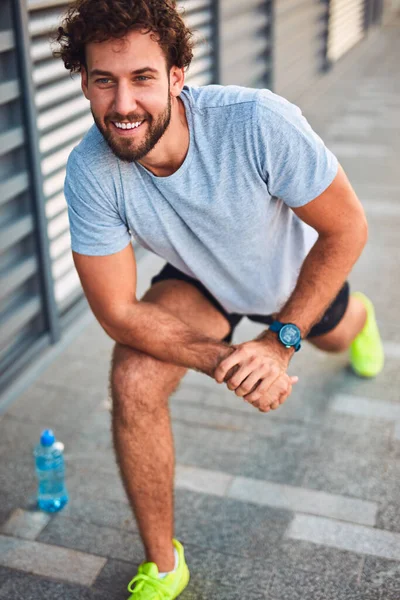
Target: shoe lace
<point>159,589</point>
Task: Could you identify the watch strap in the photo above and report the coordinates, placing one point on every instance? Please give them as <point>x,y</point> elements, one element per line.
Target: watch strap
<point>276,326</point>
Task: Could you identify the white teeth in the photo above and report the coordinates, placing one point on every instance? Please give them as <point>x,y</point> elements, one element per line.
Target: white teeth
<point>128,125</point>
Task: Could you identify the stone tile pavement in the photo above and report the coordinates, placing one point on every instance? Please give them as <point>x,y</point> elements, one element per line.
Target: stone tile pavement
<point>301,503</point>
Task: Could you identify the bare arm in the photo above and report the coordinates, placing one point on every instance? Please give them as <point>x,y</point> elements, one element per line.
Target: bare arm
<point>109,283</point>
<point>339,218</point>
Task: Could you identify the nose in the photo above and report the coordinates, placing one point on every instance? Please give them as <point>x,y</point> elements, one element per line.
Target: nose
<point>124,100</point>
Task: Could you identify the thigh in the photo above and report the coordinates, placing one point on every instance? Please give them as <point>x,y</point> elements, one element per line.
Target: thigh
<point>131,368</point>
<point>190,305</point>
<point>169,272</point>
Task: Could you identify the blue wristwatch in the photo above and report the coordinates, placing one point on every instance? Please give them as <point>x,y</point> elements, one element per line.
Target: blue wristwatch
<point>288,334</point>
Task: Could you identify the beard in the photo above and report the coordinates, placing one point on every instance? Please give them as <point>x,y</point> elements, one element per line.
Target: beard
<point>126,148</point>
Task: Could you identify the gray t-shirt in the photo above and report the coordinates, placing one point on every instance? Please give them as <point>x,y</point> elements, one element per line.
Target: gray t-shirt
<point>223,217</point>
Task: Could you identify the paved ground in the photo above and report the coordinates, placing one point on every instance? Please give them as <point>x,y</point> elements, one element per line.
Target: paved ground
<point>302,503</point>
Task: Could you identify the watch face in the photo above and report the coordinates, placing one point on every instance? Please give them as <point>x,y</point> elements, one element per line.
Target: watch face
<point>290,335</point>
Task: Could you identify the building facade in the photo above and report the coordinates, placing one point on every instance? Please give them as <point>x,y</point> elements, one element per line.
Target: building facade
<point>284,45</point>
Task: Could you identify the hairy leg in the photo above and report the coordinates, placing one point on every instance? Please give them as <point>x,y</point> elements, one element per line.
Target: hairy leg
<point>140,388</point>
<point>340,338</point>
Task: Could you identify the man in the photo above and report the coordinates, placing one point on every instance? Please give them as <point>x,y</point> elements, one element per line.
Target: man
<point>254,216</point>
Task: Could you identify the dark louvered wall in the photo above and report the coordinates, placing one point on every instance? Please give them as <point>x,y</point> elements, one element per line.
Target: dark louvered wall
<point>25,308</point>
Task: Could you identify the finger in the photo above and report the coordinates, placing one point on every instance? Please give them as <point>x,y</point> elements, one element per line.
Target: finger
<point>269,403</point>
<point>280,400</point>
<point>265,386</point>
<point>285,397</point>
<point>233,359</point>
<point>255,403</point>
<point>294,379</point>
<point>242,373</point>
<point>277,393</point>
<point>250,383</point>
<point>231,372</point>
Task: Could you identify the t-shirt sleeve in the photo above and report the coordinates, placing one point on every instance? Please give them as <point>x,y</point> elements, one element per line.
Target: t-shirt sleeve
<point>296,164</point>
<point>96,226</point>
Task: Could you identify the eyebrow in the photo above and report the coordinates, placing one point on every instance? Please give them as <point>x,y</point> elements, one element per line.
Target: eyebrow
<point>95,72</point>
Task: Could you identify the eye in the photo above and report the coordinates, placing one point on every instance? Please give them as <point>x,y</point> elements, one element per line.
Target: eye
<point>142,77</point>
<point>103,80</point>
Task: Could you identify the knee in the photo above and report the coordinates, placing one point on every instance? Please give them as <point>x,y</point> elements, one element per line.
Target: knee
<point>131,383</point>
<point>123,372</point>
<point>140,384</point>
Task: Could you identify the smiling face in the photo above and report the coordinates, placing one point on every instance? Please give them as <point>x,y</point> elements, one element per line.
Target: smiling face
<point>130,92</point>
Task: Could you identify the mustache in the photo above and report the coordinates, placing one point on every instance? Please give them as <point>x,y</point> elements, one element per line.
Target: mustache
<point>116,117</point>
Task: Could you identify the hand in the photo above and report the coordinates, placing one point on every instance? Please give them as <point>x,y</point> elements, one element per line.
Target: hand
<point>256,371</point>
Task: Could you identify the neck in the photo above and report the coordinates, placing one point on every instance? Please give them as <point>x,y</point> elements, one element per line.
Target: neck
<point>171,150</point>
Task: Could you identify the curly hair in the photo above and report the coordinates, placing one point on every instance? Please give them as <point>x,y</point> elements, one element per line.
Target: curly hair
<point>100,20</point>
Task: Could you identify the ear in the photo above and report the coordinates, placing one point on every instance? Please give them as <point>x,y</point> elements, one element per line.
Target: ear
<point>84,82</point>
<point>177,80</point>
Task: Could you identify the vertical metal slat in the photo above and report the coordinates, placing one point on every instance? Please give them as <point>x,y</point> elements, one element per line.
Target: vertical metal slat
<point>23,44</point>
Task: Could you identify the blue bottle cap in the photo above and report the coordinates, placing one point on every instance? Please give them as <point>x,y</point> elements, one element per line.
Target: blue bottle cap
<point>47,438</point>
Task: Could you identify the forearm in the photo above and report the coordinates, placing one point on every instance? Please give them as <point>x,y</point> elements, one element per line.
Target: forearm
<point>155,331</point>
<point>322,275</point>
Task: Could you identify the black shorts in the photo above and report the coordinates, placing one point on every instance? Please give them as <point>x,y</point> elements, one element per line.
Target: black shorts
<point>331,318</point>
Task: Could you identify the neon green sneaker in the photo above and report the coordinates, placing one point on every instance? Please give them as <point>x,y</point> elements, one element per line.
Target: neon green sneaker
<point>147,586</point>
<point>366,351</point>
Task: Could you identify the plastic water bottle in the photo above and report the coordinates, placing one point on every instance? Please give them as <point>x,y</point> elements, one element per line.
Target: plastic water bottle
<point>50,471</point>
